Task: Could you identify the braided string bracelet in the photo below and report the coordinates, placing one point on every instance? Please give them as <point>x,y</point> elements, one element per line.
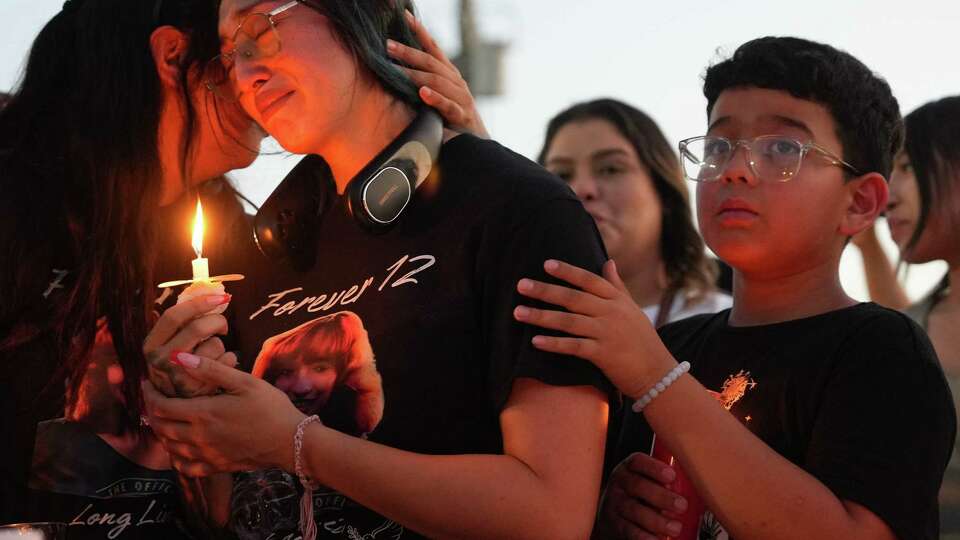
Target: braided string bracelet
<point>308,528</point>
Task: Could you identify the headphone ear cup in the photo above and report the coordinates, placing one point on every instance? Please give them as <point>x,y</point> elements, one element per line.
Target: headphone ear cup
<point>287,224</point>
<point>378,202</point>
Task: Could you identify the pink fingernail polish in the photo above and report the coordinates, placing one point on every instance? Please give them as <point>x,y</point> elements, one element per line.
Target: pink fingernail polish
<point>188,360</point>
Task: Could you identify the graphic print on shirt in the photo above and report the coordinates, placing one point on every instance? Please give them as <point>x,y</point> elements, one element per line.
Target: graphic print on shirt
<point>734,388</point>
<point>326,367</point>
<point>323,356</point>
<point>102,481</point>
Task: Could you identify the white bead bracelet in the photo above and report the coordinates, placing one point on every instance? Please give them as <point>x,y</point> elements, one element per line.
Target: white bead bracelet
<point>658,388</point>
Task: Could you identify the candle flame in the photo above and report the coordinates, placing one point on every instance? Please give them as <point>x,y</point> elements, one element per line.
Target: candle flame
<point>198,230</point>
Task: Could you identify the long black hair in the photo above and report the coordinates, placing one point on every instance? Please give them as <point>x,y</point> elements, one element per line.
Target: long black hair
<point>933,134</point>
<point>689,270</point>
<point>81,180</point>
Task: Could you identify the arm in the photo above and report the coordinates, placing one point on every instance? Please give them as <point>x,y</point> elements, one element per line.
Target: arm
<point>545,485</point>
<point>881,276</point>
<point>782,501</point>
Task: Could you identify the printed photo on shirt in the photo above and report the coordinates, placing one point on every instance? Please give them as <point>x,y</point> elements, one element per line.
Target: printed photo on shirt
<point>326,366</point>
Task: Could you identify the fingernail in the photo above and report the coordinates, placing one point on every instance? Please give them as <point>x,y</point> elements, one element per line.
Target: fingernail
<point>188,360</point>
<point>674,527</point>
<point>427,92</point>
<point>409,15</point>
<point>539,340</point>
<point>391,45</point>
<point>173,357</point>
<point>551,265</point>
<point>522,311</point>
<point>218,299</point>
<point>525,285</point>
<point>680,504</point>
<point>668,474</point>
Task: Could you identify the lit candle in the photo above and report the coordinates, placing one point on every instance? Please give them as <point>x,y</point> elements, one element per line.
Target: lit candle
<point>201,270</point>
<point>202,283</point>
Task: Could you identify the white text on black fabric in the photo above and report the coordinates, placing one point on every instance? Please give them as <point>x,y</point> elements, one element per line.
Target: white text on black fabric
<point>282,304</point>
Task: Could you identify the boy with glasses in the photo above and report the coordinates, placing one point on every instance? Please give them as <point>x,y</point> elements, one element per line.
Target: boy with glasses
<point>834,419</point>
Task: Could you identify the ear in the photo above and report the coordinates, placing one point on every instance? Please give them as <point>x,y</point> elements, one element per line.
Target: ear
<point>866,198</point>
<point>168,46</point>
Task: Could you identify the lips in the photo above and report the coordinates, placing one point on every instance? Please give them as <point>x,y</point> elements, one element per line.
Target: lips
<point>899,227</point>
<point>268,102</point>
<point>736,206</point>
<point>736,212</point>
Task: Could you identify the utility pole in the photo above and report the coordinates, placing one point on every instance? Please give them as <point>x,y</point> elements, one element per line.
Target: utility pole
<point>480,61</point>
<point>469,43</point>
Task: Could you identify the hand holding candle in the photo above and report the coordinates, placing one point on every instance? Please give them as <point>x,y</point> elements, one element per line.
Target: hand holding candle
<point>192,329</point>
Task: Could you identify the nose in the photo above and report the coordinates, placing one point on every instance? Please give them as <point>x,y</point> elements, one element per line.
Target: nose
<point>585,187</point>
<point>249,74</point>
<point>738,169</point>
<point>301,385</point>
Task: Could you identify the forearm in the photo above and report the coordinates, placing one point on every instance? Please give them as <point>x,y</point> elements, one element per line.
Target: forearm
<point>463,496</point>
<point>881,276</point>
<point>754,492</point>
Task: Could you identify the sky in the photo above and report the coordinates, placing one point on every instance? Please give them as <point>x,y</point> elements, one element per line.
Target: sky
<point>649,53</point>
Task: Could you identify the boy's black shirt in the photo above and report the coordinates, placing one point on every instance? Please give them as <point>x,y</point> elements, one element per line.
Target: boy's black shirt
<point>855,397</point>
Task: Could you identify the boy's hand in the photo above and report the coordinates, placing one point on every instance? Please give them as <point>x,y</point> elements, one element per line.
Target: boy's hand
<point>637,503</point>
<point>611,331</point>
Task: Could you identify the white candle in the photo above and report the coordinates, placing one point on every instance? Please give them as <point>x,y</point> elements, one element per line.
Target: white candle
<point>201,270</point>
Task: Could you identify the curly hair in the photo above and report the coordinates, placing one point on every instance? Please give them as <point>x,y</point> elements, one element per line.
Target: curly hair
<point>866,114</point>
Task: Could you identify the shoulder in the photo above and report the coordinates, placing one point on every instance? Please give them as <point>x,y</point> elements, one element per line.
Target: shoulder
<point>887,348</point>
<point>484,170</point>
<point>696,327</point>
<point>871,324</point>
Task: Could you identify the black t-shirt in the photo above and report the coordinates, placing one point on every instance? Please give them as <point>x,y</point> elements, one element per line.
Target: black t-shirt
<point>855,397</point>
<point>431,301</point>
<point>53,470</point>
<point>78,478</point>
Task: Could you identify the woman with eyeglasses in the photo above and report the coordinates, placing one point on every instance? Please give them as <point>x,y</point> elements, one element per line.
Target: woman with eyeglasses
<point>479,435</point>
<point>109,129</point>
<point>924,218</point>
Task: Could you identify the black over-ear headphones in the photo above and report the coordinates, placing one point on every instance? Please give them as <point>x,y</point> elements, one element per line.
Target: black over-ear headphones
<point>287,224</point>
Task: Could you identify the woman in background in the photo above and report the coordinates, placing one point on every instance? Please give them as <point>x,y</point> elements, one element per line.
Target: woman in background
<point>924,219</point>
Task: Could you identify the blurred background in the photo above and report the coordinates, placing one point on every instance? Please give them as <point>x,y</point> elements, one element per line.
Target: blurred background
<point>531,58</point>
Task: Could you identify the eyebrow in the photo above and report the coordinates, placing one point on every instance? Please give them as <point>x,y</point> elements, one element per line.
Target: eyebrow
<point>792,122</point>
<point>609,152</point>
<point>238,16</point>
<point>600,154</point>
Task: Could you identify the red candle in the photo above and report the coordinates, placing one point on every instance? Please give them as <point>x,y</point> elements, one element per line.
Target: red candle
<point>690,519</point>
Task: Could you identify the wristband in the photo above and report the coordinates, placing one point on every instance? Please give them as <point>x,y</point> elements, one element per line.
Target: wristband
<point>308,528</point>
<point>659,388</point>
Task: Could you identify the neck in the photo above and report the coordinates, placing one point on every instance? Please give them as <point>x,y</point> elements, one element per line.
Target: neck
<point>643,280</point>
<point>953,296</point>
<point>373,125</point>
<point>810,291</point>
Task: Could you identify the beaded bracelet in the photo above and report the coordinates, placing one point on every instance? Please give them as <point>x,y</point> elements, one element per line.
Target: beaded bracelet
<point>658,388</point>
<point>308,527</point>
